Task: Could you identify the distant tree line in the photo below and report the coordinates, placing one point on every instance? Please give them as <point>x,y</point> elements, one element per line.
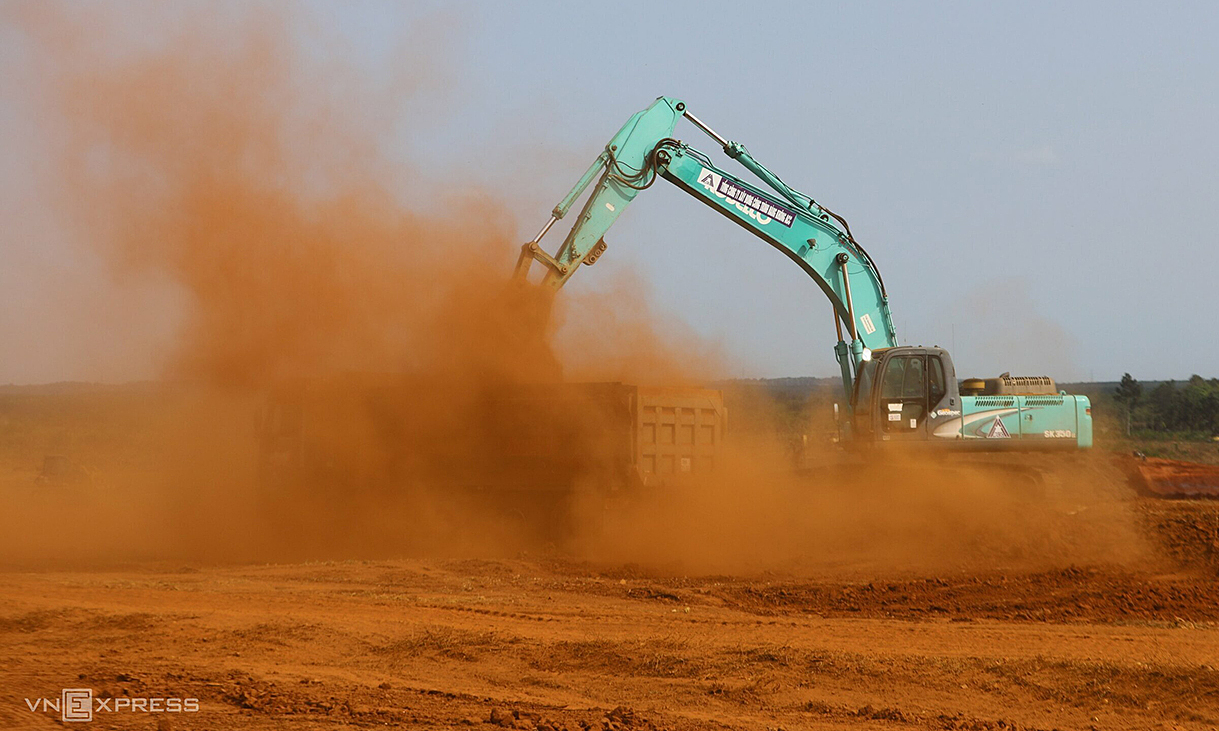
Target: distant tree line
<point>1191,407</point>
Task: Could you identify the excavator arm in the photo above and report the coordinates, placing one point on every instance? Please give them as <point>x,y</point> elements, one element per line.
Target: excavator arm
<point>816,239</point>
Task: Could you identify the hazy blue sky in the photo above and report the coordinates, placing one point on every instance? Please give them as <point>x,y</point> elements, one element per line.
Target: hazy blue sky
<point>1040,179</point>
<point>1043,176</point>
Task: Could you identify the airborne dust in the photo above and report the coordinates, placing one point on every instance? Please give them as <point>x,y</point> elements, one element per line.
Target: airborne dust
<point>227,163</point>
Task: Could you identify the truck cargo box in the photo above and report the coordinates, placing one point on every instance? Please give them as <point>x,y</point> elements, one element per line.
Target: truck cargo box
<point>549,437</point>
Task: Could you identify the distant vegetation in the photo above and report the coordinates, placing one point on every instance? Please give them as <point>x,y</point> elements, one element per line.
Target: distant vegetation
<point>1189,410</point>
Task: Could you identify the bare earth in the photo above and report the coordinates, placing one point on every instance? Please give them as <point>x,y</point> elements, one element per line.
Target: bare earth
<point>554,643</point>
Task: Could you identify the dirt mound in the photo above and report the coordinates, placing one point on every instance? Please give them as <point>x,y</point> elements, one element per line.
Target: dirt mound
<point>1067,595</point>
<point>620,718</point>
<point>1186,531</point>
<point>1173,478</point>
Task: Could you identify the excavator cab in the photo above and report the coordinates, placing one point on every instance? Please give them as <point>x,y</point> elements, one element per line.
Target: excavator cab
<point>902,392</point>
<point>911,394</point>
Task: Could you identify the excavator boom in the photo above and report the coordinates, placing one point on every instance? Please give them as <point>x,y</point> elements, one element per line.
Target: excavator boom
<point>808,234</point>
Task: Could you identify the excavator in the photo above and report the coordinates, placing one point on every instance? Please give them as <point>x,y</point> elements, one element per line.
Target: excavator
<point>896,396</point>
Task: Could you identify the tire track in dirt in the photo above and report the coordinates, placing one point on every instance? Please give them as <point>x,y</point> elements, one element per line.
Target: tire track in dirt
<point>551,648</point>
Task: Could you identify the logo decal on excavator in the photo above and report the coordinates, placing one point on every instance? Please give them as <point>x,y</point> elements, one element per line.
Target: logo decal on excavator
<point>997,430</point>
<point>755,206</point>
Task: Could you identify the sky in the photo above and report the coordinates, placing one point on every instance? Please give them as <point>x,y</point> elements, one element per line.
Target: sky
<point>1036,181</point>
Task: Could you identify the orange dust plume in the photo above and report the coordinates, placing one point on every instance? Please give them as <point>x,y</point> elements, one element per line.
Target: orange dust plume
<point>347,327</point>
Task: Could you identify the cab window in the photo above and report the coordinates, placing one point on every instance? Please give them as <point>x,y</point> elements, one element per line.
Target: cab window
<point>863,386</point>
<point>912,386</point>
<point>903,393</point>
<point>935,379</point>
<point>903,379</point>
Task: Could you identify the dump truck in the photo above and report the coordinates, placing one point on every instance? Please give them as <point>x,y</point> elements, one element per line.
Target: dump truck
<point>531,450</point>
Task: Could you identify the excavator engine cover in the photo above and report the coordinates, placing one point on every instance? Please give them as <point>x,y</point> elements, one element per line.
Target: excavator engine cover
<point>1007,385</point>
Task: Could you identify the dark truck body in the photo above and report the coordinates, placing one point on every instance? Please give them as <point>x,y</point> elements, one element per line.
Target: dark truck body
<point>614,434</point>
<point>553,438</point>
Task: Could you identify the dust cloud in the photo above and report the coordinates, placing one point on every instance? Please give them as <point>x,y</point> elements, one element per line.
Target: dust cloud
<point>909,515</point>
<point>317,300</point>
<point>999,327</point>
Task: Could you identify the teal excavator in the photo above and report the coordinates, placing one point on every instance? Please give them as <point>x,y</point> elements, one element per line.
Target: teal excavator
<point>895,394</point>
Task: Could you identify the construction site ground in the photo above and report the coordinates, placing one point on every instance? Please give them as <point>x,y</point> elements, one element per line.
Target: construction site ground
<point>549,641</point>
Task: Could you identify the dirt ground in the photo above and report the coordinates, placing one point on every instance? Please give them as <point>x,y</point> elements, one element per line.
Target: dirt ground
<point>555,642</point>
<point>755,603</point>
